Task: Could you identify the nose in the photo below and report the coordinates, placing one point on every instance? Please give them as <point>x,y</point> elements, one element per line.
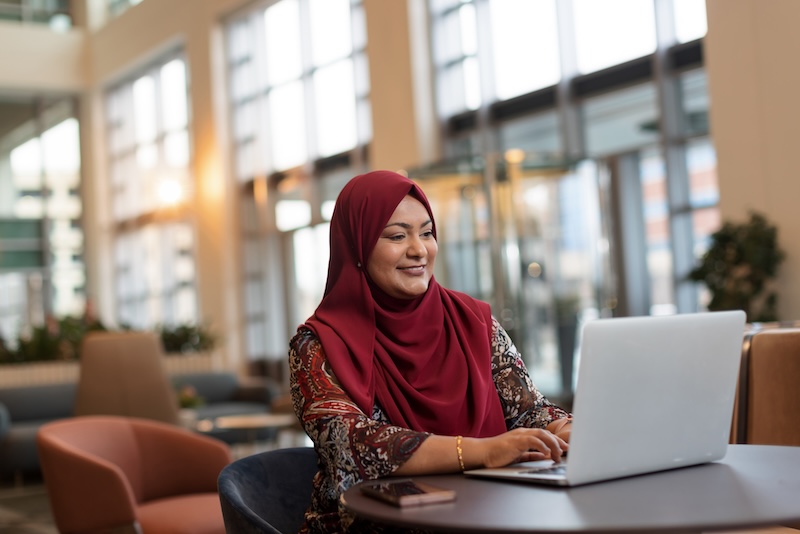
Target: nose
<point>416,248</point>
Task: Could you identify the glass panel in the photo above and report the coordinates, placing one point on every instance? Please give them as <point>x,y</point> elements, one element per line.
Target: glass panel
<point>525,46</point>
<point>442,5</point>
<point>176,149</point>
<point>330,30</point>
<point>282,33</point>
<point>239,40</point>
<point>144,104</point>
<point>287,128</point>
<point>174,106</point>
<point>535,134</point>
<point>150,289</point>
<point>243,80</point>
<point>562,249</point>
<point>621,121</point>
<point>694,99</point>
<point>311,253</point>
<point>26,165</point>
<point>613,31</point>
<point>469,30</point>
<point>472,82</point>
<point>702,162</point>
<point>657,235</point>
<point>336,108</point>
<point>450,90</point>
<point>359,27</point>
<point>330,185</point>
<point>447,39</point>
<point>703,193</point>
<point>690,19</point>
<point>292,214</point>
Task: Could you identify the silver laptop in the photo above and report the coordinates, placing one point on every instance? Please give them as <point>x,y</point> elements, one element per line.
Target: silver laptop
<point>653,393</point>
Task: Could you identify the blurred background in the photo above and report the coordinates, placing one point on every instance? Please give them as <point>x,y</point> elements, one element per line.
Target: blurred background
<point>175,162</point>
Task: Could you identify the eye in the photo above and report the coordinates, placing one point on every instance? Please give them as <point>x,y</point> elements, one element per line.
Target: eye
<point>428,233</point>
<point>396,237</point>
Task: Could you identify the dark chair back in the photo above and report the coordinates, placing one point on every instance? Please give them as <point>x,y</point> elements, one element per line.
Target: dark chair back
<point>267,492</point>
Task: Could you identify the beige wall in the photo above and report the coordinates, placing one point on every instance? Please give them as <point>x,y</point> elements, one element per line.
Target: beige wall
<point>34,58</point>
<point>404,128</point>
<point>751,59</point>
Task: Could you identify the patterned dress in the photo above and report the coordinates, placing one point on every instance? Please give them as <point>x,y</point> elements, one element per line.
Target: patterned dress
<point>353,446</point>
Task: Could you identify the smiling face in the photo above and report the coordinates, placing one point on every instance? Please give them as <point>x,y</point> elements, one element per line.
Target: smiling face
<point>401,263</point>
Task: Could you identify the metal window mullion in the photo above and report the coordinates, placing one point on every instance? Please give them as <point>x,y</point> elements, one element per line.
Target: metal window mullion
<point>671,129</point>
<point>307,78</point>
<point>571,129</point>
<point>257,52</point>
<point>485,66</point>
<point>628,229</point>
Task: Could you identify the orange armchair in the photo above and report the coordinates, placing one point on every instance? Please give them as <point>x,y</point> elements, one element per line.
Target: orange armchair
<point>121,474</point>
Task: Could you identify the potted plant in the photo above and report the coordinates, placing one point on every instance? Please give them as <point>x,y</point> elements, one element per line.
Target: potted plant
<point>739,268</point>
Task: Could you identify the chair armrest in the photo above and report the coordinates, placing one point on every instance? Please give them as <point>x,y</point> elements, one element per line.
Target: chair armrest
<point>85,483</point>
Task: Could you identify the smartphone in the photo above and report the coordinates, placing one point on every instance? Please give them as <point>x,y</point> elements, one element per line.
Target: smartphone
<point>407,492</point>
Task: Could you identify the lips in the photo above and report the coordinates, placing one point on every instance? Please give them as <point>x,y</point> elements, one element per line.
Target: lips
<point>413,269</point>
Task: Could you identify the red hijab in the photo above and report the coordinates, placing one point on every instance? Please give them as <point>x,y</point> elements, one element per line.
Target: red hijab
<point>427,361</point>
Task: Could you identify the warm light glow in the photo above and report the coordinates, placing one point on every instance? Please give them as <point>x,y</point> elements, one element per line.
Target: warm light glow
<point>170,192</point>
<point>260,190</point>
<point>515,155</point>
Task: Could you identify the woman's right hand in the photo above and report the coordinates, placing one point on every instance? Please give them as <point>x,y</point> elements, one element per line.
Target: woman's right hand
<point>518,445</point>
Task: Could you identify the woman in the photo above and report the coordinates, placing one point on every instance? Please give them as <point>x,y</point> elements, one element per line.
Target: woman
<point>396,375</point>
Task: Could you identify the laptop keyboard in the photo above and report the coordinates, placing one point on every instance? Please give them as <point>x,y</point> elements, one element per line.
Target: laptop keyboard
<point>557,469</point>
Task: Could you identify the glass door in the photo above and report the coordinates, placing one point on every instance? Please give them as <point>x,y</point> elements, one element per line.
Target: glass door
<point>526,236</point>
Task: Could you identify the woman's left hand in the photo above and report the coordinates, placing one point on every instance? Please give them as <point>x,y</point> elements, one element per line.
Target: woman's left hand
<point>561,428</point>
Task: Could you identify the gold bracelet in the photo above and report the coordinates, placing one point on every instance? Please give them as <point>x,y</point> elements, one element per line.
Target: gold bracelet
<point>460,453</point>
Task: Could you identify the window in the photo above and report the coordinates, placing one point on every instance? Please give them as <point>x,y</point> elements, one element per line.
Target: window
<point>42,271</point>
<point>280,88</point>
<point>299,86</point>
<point>613,31</point>
<point>621,120</point>
<point>455,46</point>
<point>578,84</point>
<point>525,46</point>
<point>150,188</point>
<point>690,19</point>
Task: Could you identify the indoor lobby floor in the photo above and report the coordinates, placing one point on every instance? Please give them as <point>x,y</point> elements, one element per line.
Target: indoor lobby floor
<point>25,510</point>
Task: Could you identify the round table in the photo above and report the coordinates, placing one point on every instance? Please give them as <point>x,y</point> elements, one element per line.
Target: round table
<point>753,486</point>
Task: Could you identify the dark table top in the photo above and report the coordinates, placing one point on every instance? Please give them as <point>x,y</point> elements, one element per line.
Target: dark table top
<point>754,485</point>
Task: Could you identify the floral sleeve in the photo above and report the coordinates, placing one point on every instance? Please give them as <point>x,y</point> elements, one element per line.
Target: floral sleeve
<point>523,404</point>
<point>352,446</point>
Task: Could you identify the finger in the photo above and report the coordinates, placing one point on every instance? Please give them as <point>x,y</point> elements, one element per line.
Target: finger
<point>554,445</point>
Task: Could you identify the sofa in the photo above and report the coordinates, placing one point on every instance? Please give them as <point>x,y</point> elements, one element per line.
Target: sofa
<point>23,409</point>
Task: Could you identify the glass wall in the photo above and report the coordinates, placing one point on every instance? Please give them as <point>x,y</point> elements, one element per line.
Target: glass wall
<point>616,87</point>
<point>299,86</point>
<point>150,191</point>
<point>42,274</point>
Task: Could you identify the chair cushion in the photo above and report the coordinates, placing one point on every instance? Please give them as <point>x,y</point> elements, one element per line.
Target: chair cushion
<point>199,513</point>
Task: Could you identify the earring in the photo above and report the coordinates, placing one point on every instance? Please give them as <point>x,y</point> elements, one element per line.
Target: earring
<point>358,264</point>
